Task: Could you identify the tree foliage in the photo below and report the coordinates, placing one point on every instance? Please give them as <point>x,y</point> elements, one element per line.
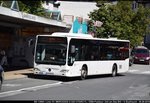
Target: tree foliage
<point>5,3</point>
<point>121,21</point>
<point>28,6</point>
<point>31,6</point>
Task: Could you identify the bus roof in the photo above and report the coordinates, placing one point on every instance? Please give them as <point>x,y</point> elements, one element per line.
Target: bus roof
<point>72,35</point>
<point>86,36</point>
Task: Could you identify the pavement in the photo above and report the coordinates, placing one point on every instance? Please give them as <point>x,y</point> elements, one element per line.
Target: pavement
<point>16,74</point>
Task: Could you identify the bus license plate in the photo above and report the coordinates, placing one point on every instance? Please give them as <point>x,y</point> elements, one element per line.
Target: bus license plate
<point>46,73</point>
<point>50,73</point>
<point>142,60</point>
<point>42,73</point>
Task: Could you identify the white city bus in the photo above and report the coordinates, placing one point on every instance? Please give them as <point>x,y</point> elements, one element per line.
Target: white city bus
<point>70,55</point>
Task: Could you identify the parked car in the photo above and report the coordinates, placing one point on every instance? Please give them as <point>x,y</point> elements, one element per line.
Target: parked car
<point>1,76</point>
<point>141,54</point>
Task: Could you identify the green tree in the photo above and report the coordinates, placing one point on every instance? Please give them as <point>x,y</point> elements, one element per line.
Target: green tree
<point>119,20</point>
<point>32,7</point>
<point>28,6</point>
<point>5,3</point>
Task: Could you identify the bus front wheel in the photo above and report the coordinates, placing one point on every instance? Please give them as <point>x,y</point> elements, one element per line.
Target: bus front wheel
<point>83,72</point>
<point>114,70</point>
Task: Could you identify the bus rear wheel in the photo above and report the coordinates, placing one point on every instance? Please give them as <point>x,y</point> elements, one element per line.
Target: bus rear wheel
<point>114,70</point>
<point>83,73</point>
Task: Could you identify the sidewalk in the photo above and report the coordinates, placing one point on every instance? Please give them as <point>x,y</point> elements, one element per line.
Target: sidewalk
<point>16,74</point>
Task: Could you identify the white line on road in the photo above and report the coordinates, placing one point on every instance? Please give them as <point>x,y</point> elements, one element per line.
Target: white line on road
<point>11,85</point>
<point>23,90</point>
<point>139,71</point>
<point>133,70</point>
<point>146,72</point>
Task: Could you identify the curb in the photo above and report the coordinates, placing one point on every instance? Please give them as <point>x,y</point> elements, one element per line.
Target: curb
<point>14,77</point>
<point>17,74</point>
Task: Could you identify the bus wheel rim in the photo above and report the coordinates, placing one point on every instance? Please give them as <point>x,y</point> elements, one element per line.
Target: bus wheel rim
<point>114,72</point>
<point>83,74</point>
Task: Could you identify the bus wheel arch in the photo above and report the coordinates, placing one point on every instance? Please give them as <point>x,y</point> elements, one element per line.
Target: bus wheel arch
<point>84,72</point>
<point>114,70</point>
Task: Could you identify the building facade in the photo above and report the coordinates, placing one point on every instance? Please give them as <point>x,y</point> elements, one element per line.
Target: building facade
<point>18,32</point>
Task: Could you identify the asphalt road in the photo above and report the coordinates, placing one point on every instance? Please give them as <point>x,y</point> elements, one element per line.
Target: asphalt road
<point>133,85</point>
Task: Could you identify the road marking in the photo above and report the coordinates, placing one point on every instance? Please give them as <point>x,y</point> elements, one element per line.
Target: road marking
<point>146,72</point>
<point>23,90</point>
<point>133,70</point>
<point>139,72</point>
<point>11,85</point>
<point>70,82</point>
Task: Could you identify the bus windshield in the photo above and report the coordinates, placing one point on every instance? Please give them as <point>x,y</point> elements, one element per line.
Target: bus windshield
<point>51,50</point>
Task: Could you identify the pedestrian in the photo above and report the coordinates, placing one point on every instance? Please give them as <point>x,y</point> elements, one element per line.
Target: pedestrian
<point>3,59</point>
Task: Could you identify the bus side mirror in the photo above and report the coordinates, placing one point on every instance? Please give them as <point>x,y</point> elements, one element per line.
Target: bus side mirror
<point>71,57</point>
<point>30,42</point>
<point>73,49</point>
<point>71,61</point>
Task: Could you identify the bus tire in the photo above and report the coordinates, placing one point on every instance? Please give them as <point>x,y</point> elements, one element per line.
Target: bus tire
<point>83,73</point>
<point>114,70</point>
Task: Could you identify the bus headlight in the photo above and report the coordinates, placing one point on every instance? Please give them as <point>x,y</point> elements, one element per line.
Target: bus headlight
<point>36,69</point>
<point>136,57</point>
<point>64,70</point>
<point>147,58</point>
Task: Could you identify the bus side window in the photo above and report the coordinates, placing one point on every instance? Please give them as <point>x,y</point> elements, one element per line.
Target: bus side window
<point>77,53</point>
<point>109,55</point>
